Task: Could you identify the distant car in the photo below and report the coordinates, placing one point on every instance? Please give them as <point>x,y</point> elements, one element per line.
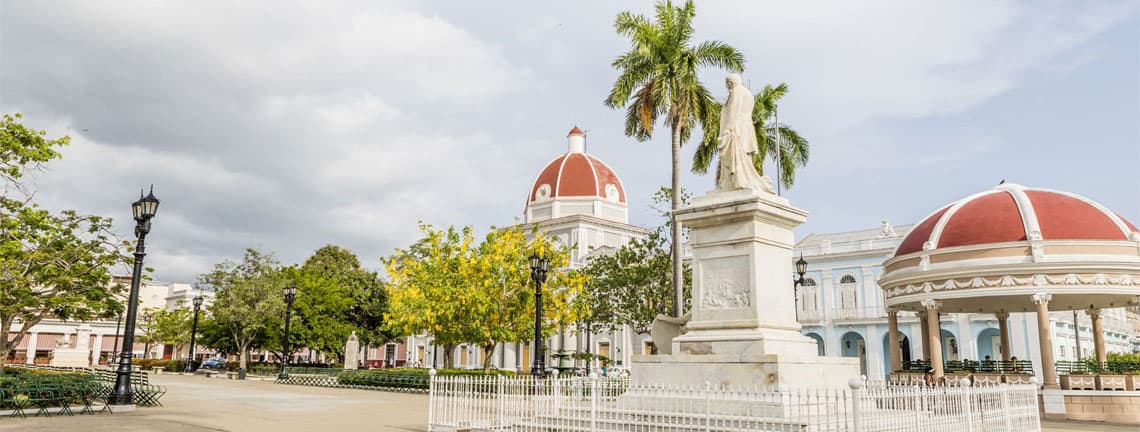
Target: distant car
<point>214,363</point>
<point>617,371</point>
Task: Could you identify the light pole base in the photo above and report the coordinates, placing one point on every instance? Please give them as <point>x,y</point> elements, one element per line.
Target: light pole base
<point>123,408</point>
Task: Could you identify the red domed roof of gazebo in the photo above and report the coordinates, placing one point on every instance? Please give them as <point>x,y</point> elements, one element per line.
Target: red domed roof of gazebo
<point>1011,213</point>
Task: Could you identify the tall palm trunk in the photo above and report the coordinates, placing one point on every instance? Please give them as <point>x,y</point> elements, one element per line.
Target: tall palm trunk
<point>678,300</point>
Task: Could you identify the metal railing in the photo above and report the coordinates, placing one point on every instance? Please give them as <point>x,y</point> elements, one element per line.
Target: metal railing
<point>612,404</point>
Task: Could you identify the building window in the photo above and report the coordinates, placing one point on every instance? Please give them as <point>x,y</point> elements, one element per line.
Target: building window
<point>809,295</point>
<point>390,354</point>
<point>847,296</point>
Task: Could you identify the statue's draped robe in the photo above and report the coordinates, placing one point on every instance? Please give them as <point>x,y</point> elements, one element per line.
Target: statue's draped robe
<point>737,143</point>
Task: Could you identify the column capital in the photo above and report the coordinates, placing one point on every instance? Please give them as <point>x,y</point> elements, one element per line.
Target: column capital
<point>931,304</point>
<point>1002,315</point>
<point>892,312</point>
<point>1093,312</point>
<point>1042,298</point>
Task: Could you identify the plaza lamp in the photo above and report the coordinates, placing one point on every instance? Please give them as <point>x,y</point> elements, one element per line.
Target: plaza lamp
<point>538,267</point>
<point>290,292</point>
<point>143,211</point>
<point>194,331</point>
<point>801,269</point>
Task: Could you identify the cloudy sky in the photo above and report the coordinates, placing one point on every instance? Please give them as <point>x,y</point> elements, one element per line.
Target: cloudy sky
<point>285,126</point>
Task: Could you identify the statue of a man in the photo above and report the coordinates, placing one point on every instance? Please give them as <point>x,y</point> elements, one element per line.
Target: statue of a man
<point>737,141</point>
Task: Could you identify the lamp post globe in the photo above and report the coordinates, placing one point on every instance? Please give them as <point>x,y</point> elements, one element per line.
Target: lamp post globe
<point>538,268</point>
<point>143,211</point>
<point>197,302</point>
<point>290,293</point>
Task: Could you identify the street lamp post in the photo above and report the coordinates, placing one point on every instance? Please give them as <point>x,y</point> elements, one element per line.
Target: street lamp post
<point>801,269</point>
<point>290,292</point>
<point>143,209</point>
<point>538,268</point>
<point>194,332</point>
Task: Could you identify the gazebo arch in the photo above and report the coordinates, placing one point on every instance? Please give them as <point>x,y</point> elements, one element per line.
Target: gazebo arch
<point>1016,249</point>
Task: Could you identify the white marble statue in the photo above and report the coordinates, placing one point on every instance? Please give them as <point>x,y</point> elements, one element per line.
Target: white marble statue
<point>737,141</point>
<point>352,352</point>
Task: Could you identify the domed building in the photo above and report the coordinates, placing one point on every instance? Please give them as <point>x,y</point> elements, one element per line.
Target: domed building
<point>1011,250</point>
<point>579,200</point>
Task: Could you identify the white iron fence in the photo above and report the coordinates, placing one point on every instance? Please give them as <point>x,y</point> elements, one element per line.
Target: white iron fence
<point>611,404</point>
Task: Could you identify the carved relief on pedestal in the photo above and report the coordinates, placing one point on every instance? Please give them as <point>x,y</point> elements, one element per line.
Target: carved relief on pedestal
<point>725,284</point>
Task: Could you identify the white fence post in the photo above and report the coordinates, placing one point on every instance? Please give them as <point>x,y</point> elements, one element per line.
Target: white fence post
<point>431,398</point>
<point>919,407</point>
<point>967,400</point>
<point>708,406</point>
<point>593,402</point>
<point>502,422</point>
<point>856,385</point>
<point>1005,411</point>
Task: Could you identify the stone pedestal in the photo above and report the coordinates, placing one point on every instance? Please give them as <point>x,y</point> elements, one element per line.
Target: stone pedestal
<point>743,330</point>
<point>76,354</point>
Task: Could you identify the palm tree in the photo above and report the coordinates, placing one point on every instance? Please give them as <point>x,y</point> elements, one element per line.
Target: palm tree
<point>794,148</point>
<point>658,79</point>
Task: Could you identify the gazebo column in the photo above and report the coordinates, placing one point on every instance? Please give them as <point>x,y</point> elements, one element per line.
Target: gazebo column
<point>1098,336</point>
<point>1003,328</point>
<point>1045,335</point>
<point>893,339</point>
<point>934,335</point>
<point>925,336</point>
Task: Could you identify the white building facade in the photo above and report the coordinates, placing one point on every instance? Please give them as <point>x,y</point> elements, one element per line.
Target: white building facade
<point>106,335</point>
<point>840,305</point>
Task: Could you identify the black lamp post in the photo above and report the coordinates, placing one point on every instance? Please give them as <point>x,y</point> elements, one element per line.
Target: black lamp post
<point>290,292</point>
<point>194,332</point>
<point>143,209</point>
<point>801,269</point>
<point>538,268</point>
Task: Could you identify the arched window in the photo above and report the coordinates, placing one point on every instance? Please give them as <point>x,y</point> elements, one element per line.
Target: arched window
<point>847,289</point>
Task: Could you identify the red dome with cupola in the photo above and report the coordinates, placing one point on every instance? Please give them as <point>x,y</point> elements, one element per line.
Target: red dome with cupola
<point>577,175</point>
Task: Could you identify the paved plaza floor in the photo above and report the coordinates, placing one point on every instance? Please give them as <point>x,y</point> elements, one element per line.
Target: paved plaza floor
<point>194,404</point>
<point>197,404</point>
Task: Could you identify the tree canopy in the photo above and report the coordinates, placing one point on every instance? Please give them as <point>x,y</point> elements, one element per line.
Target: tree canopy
<point>52,264</point>
<point>632,285</point>
<point>462,290</point>
<point>248,298</point>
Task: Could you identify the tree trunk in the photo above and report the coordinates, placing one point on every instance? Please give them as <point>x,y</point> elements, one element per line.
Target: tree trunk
<point>487,359</point>
<point>243,358</point>
<point>675,248</point>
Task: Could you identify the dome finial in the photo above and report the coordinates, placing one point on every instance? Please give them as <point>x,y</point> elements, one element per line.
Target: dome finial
<point>576,141</point>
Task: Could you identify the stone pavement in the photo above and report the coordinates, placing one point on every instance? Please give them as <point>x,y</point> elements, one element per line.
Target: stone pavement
<point>195,404</point>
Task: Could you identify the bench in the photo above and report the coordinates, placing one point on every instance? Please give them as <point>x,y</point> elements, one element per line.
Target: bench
<point>231,375</point>
<point>157,370</point>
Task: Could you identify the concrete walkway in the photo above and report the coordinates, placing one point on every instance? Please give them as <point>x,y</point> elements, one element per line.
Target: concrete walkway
<point>197,404</point>
<point>194,404</point>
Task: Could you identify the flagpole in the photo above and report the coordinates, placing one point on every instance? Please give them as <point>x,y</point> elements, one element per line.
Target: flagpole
<point>779,151</point>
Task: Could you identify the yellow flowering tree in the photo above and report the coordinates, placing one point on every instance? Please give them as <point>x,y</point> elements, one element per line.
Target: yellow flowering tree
<point>464,291</point>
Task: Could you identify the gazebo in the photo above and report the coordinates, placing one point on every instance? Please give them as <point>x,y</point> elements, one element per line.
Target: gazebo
<point>1013,249</point>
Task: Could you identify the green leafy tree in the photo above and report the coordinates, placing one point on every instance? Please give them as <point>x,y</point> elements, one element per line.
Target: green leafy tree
<point>658,80</point>
<point>146,327</point>
<point>632,285</point>
<point>248,297</point>
<point>172,327</point>
<point>462,290</point>
<point>52,265</point>
<point>794,149</point>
